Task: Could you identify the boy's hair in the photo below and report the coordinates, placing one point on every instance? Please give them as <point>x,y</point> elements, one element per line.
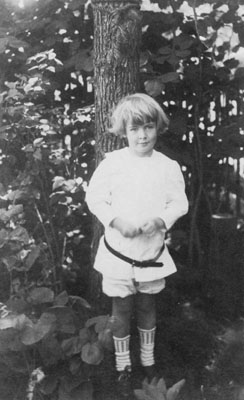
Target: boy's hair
<point>138,108</point>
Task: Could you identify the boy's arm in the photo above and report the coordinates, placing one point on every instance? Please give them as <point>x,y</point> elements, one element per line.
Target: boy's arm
<point>177,203</point>
<point>98,198</point>
<point>98,195</point>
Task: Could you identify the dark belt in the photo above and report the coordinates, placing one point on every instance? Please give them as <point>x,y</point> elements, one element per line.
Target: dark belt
<point>136,263</point>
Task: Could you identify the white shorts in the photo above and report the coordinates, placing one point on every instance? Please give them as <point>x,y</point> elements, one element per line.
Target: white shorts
<point>113,287</point>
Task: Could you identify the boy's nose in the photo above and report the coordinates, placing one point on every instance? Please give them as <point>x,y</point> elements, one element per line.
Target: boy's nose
<point>141,132</point>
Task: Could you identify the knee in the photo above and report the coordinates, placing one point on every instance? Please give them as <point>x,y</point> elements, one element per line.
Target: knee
<point>122,306</point>
<point>145,305</point>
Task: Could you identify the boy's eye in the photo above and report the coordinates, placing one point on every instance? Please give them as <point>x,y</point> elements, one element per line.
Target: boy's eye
<point>133,128</point>
<point>149,126</point>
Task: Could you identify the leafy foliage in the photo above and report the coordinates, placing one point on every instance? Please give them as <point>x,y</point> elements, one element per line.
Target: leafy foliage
<point>42,179</point>
<point>190,62</point>
<point>225,372</point>
<point>156,390</point>
<point>44,229</point>
<point>56,334</point>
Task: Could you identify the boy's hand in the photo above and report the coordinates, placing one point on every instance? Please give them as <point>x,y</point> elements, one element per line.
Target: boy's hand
<point>153,225</point>
<point>125,228</point>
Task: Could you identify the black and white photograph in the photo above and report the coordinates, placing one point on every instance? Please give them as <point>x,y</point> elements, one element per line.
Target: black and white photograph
<point>121,200</point>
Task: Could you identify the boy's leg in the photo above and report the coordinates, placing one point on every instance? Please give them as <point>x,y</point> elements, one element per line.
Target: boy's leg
<point>146,310</point>
<point>146,322</point>
<point>121,310</point>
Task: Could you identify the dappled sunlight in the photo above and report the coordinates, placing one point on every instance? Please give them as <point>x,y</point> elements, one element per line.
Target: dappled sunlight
<point>56,331</point>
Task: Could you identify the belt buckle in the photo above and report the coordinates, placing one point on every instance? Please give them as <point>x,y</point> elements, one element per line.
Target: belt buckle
<point>133,264</point>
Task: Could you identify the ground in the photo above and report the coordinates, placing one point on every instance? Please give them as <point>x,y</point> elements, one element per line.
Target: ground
<point>191,322</point>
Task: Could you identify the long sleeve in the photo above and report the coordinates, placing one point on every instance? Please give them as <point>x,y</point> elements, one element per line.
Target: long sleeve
<point>136,189</point>
<point>98,195</point>
<point>176,200</point>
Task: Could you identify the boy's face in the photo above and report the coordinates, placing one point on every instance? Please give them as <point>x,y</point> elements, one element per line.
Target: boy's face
<point>141,138</point>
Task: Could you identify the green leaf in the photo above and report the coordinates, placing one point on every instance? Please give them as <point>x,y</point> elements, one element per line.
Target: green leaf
<point>6,215</point>
<point>169,77</point>
<point>15,362</point>
<point>3,44</point>
<point>165,51</point>
<point>144,58</point>
<point>162,386</point>
<point>33,334</point>
<point>182,53</point>
<point>69,382</point>
<point>41,295</point>
<point>82,392</point>
<point>16,43</point>
<point>16,195</point>
<point>69,185</point>
<point>2,188</point>
<point>106,339</point>
<point>140,395</point>
<point>14,321</point>
<point>92,353</point>
<point>61,299</point>
<point>156,390</point>
<point>161,59</point>
<point>17,304</point>
<point>3,237</point>
<point>173,60</point>
<point>84,335</point>
<point>9,340</point>
<point>183,41</point>
<point>66,319</point>
<point>63,394</point>
<point>80,301</point>
<point>58,197</point>
<point>50,350</point>
<point>37,154</point>
<point>154,87</point>
<point>173,392</point>
<point>19,235</point>
<point>73,345</point>
<point>231,63</point>
<point>58,182</point>
<point>3,32</point>
<point>32,257</point>
<point>11,262</point>
<point>75,364</point>
<point>100,322</point>
<point>49,384</point>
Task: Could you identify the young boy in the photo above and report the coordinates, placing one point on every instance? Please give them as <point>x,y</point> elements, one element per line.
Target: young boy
<point>138,194</point>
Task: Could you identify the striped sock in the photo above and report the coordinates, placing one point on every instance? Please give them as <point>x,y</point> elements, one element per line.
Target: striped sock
<point>122,353</point>
<point>147,341</point>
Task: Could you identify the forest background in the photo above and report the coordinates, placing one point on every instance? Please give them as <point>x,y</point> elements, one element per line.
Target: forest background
<point>55,326</point>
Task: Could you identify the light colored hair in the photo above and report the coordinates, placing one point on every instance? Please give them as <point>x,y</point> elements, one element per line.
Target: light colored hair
<point>138,109</point>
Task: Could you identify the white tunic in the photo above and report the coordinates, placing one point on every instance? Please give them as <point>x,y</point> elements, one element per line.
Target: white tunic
<point>136,189</point>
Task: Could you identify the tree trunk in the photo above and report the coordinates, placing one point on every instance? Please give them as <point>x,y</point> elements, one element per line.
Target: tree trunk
<point>117,33</point>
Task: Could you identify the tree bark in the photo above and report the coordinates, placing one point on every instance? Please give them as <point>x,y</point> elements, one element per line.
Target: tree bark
<point>117,32</point>
<point>117,36</point>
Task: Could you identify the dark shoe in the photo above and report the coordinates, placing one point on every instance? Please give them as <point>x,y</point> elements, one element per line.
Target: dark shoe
<point>150,373</point>
<point>124,383</point>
